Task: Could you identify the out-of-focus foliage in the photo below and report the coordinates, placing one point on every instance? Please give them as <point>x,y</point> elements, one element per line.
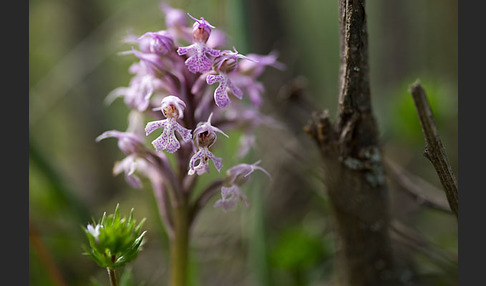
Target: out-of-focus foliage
<point>74,63</point>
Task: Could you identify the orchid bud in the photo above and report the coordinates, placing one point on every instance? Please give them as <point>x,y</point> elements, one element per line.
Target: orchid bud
<point>201,30</point>
<point>160,42</point>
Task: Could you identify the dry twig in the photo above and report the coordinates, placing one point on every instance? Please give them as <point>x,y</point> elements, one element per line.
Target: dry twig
<point>434,150</point>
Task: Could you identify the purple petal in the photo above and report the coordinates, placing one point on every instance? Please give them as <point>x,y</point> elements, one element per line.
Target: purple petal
<point>184,50</point>
<point>192,64</point>
<point>225,204</point>
<point>198,156</point>
<point>133,181</point>
<point>108,134</point>
<point>185,133</point>
<point>211,79</point>
<point>221,96</point>
<point>198,62</point>
<point>235,90</point>
<point>167,140</point>
<point>218,162</point>
<point>212,52</point>
<point>153,125</point>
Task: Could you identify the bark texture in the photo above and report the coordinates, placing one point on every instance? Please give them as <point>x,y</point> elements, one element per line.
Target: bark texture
<point>434,150</point>
<point>353,168</point>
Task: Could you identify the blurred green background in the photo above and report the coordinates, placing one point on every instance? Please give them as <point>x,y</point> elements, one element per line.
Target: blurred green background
<point>285,237</point>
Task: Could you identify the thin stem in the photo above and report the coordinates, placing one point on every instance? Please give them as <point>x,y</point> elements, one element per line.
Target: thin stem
<point>112,273</point>
<point>434,150</point>
<point>179,246</point>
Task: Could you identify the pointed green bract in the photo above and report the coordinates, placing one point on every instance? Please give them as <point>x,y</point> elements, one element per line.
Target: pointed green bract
<point>114,241</point>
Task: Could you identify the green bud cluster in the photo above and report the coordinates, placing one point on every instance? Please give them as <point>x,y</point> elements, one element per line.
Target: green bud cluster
<point>116,242</point>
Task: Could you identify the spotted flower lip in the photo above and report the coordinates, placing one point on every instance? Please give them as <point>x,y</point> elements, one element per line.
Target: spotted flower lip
<point>230,197</point>
<point>198,52</point>
<point>198,60</point>
<point>225,65</point>
<point>199,162</point>
<point>221,97</point>
<point>173,108</point>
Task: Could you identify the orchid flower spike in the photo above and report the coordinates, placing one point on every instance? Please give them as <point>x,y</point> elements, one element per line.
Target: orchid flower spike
<point>173,108</point>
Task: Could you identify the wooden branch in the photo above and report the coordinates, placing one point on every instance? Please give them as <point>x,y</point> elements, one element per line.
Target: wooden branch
<point>434,150</point>
<point>352,163</point>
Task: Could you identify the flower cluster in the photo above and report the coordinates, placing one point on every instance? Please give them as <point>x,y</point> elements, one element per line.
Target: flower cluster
<point>188,85</point>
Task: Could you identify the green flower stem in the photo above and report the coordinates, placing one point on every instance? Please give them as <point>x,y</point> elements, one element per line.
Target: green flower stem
<point>113,276</point>
<point>179,246</point>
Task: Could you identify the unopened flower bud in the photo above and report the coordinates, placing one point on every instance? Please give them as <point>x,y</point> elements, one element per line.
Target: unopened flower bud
<point>160,42</point>
<point>201,30</point>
